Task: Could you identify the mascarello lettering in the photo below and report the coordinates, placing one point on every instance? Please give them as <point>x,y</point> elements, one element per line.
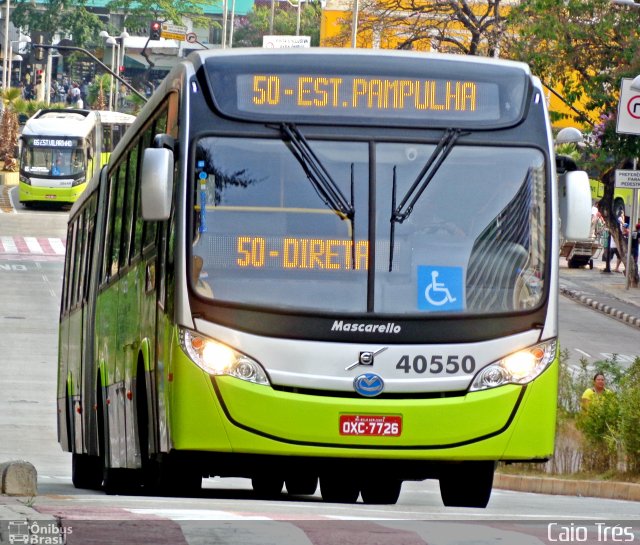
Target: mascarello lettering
<point>389,327</point>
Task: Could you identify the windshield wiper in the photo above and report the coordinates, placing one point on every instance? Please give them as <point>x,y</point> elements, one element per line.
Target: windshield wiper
<point>318,175</point>
<point>400,213</point>
<point>325,186</point>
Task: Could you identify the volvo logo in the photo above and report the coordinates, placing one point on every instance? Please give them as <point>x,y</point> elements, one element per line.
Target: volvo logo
<point>365,358</point>
<point>368,385</point>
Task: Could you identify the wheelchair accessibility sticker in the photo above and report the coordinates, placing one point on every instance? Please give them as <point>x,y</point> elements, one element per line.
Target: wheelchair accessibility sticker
<point>440,288</point>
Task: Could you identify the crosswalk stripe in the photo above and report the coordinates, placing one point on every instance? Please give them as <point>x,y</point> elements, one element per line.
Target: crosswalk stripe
<point>56,245</point>
<point>9,245</point>
<point>32,245</point>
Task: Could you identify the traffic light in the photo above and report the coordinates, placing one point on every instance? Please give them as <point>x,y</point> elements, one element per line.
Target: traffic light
<point>154,30</point>
<point>39,77</point>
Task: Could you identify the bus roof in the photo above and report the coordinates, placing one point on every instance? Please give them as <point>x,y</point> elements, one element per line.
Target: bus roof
<point>108,117</point>
<point>366,55</point>
<point>75,123</point>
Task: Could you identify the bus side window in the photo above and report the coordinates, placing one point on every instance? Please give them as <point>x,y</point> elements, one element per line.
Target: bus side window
<point>138,227</point>
<point>127,211</point>
<point>116,225</point>
<point>67,269</point>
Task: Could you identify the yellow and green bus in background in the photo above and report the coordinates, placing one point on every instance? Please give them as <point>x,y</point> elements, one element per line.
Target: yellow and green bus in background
<point>59,151</point>
<point>319,266</point>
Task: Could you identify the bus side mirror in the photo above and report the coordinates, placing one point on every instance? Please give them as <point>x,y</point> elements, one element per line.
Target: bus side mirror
<point>156,184</point>
<point>575,205</point>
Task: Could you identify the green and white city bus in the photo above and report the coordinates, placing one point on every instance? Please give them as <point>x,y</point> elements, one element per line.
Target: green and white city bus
<point>327,266</point>
<point>59,150</point>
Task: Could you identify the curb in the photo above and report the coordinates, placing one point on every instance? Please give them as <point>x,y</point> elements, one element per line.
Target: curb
<point>18,478</point>
<point>607,309</point>
<point>5,201</point>
<point>548,485</point>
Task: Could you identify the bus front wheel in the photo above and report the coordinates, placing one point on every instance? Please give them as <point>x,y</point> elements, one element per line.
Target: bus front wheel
<point>338,489</point>
<point>301,484</point>
<point>467,484</point>
<point>381,492</point>
<point>174,477</point>
<point>267,486</point>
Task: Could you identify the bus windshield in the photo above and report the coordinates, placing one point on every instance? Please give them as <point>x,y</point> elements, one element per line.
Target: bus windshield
<point>53,161</point>
<point>473,242</point>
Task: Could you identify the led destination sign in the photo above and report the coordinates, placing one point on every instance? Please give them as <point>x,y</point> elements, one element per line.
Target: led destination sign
<point>390,89</point>
<point>366,96</point>
<point>52,142</point>
<point>293,253</point>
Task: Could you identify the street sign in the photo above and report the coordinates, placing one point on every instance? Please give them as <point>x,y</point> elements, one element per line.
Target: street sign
<point>279,42</point>
<point>628,179</point>
<point>628,109</point>
<point>191,37</point>
<point>173,32</point>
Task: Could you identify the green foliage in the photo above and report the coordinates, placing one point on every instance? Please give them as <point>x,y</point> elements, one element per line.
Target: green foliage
<point>600,425</point>
<point>9,128</point>
<point>570,150</point>
<point>68,17</point>
<point>255,25</point>
<point>609,424</point>
<point>570,386</point>
<point>98,89</point>
<point>630,416</point>
<point>581,47</point>
<point>139,13</point>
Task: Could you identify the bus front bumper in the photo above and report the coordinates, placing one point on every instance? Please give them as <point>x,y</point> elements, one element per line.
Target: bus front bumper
<point>225,414</point>
<point>30,193</point>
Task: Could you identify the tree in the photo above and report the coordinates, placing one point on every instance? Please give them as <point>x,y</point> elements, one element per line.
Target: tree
<point>96,96</point>
<point>69,17</point>
<point>250,29</point>
<point>9,128</point>
<point>138,13</point>
<point>582,48</point>
<point>455,26</point>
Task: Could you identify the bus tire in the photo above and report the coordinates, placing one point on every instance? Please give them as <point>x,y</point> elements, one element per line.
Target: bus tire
<point>467,484</point>
<point>339,489</point>
<point>173,478</point>
<point>381,492</point>
<point>267,486</point>
<point>301,485</point>
<point>86,471</point>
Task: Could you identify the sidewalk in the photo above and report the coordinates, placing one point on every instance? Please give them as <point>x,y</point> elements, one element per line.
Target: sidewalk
<point>604,292</point>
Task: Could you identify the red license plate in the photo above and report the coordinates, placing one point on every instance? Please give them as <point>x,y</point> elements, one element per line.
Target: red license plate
<point>366,425</point>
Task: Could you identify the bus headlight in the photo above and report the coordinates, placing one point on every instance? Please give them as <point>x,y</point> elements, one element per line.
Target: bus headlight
<point>219,359</point>
<point>78,181</point>
<point>25,180</point>
<point>518,368</point>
